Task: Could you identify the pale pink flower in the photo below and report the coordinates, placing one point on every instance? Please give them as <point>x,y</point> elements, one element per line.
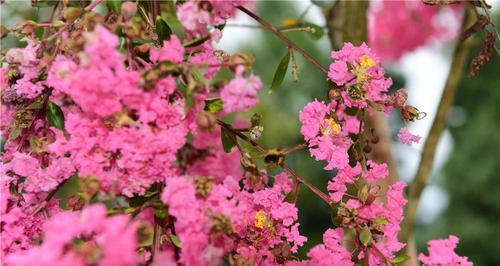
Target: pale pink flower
<point>406,137</point>
<point>442,252</point>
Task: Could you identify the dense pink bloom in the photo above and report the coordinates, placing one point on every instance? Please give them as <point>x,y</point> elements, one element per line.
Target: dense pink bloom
<point>332,252</point>
<point>312,117</point>
<point>103,240</point>
<point>25,61</point>
<point>406,137</point>
<point>337,186</point>
<point>389,22</point>
<point>442,252</point>
<point>241,92</point>
<point>358,70</point>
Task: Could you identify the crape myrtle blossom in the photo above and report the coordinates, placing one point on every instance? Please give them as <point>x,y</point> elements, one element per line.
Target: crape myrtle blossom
<point>442,252</point>
<point>335,133</point>
<point>71,238</point>
<point>119,151</point>
<point>358,70</point>
<point>389,22</point>
<point>406,137</point>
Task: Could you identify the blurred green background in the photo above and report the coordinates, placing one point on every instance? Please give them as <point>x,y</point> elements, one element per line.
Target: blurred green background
<point>469,176</point>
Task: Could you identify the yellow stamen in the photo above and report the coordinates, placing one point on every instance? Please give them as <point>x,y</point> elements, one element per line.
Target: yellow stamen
<point>332,128</point>
<point>367,62</point>
<point>260,219</point>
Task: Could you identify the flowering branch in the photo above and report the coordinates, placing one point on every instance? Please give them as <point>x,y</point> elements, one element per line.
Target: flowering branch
<point>285,167</point>
<point>418,184</point>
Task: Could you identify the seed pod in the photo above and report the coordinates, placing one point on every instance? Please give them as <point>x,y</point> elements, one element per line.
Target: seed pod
<point>399,98</point>
<point>483,56</point>
<point>334,94</point>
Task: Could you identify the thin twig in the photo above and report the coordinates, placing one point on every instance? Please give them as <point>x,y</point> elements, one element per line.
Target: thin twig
<point>69,23</point>
<point>283,38</point>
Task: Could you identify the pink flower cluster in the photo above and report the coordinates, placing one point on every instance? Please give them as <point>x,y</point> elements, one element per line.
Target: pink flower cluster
<point>83,239</point>
<point>25,62</point>
<point>241,92</point>
<point>442,252</point>
<point>389,22</point>
<point>196,15</point>
<point>228,217</point>
<point>358,70</point>
<point>406,137</point>
<point>335,133</point>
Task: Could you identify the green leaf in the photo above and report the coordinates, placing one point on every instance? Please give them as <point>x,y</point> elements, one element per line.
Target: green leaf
<point>161,213</point>
<point>400,259</point>
<point>323,3</point>
<point>334,215</point>
<point>71,13</point>
<point>43,3</point>
<point>318,30</point>
<point>35,106</point>
<point>365,236</point>
<point>197,41</point>
<point>280,72</point>
<point>68,189</point>
<point>228,140</point>
<point>55,115</point>
<point>137,201</point>
<point>380,220</point>
<point>15,132</point>
<point>2,144</point>
<point>213,105</point>
<point>255,120</point>
<point>162,30</point>
<point>169,14</point>
<point>176,241</point>
<point>114,5</point>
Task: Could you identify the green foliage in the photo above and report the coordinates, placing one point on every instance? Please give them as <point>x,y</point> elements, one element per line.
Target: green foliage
<point>280,72</point>
<point>162,30</point>
<point>55,115</point>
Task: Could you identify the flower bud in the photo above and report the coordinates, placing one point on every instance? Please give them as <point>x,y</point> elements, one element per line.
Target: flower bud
<point>129,9</point>
<point>334,94</point>
<point>399,98</point>
<point>256,132</point>
<point>206,121</point>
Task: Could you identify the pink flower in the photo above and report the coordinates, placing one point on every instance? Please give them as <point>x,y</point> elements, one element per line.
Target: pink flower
<point>337,185</point>
<point>406,137</point>
<point>312,117</point>
<point>241,92</point>
<point>172,51</point>
<point>376,171</point>
<point>358,70</point>
<point>389,21</point>
<point>442,252</point>
<point>334,151</point>
<point>113,238</point>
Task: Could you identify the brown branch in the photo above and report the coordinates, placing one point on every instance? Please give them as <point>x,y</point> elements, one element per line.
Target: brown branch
<point>283,38</point>
<point>418,184</point>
